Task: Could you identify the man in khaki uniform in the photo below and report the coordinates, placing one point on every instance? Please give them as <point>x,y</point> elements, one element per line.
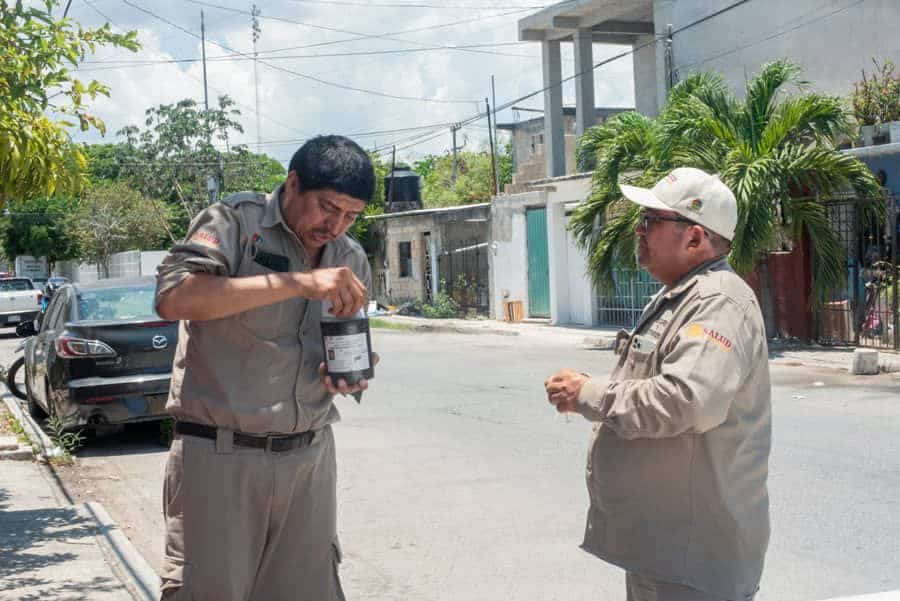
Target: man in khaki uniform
<point>250,494</point>
<point>678,460</point>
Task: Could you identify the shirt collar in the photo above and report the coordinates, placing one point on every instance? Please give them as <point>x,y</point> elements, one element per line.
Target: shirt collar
<point>688,279</point>
<point>272,216</point>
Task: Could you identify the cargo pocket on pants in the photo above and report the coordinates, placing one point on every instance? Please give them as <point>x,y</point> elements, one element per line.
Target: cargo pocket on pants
<point>338,556</point>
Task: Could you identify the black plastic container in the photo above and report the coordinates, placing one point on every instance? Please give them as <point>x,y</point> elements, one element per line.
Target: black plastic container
<point>347,346</point>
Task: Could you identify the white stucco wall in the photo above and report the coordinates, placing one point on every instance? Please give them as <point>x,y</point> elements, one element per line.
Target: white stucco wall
<point>832,39</point>
<point>509,251</point>
<point>150,259</point>
<point>508,259</point>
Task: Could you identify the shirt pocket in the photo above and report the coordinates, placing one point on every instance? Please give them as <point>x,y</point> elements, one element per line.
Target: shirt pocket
<point>639,362</point>
<point>271,321</point>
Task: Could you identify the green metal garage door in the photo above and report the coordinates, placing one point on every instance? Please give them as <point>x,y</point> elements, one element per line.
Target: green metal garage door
<point>538,265</point>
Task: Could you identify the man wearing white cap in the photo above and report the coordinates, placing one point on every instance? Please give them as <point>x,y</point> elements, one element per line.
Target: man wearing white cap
<point>679,454</point>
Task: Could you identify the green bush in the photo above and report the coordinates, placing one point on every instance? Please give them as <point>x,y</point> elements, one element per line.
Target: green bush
<point>442,307</point>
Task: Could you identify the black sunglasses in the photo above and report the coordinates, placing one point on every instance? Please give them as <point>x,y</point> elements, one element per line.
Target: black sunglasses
<point>646,219</point>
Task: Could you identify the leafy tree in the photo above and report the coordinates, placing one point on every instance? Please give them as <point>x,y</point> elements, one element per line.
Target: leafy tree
<point>37,56</point>
<point>361,230</point>
<point>776,151</point>
<point>114,218</point>
<point>474,182</point>
<point>175,153</point>
<point>39,227</point>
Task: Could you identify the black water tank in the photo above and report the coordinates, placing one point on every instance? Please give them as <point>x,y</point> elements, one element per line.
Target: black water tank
<point>405,195</point>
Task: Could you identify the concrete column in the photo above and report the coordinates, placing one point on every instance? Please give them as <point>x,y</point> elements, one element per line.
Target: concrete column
<point>584,83</point>
<point>554,134</point>
<point>649,76</point>
<point>556,251</point>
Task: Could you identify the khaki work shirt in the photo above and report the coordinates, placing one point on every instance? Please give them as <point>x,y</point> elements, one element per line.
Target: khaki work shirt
<point>255,371</point>
<point>678,460</point>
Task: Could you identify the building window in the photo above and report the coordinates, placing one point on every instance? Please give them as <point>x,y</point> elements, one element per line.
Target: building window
<point>405,251</point>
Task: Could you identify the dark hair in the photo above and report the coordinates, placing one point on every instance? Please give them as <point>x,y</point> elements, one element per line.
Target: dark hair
<point>336,163</point>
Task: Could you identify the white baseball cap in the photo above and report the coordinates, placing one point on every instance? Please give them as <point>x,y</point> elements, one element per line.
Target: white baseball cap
<point>693,194</point>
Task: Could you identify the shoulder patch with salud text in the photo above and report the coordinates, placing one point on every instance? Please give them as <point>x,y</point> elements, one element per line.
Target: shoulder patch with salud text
<point>696,330</point>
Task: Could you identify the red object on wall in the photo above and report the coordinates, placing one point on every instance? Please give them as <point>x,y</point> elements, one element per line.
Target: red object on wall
<point>791,279</point>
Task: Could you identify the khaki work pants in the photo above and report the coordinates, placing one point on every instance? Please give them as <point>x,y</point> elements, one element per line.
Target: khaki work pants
<point>642,588</point>
<point>247,524</point>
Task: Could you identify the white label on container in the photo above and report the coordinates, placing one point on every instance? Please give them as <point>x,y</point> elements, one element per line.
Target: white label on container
<point>349,352</point>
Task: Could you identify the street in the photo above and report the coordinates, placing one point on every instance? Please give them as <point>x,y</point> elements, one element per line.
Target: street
<point>457,481</point>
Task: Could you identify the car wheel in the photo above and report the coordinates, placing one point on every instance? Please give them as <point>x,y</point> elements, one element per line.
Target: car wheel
<point>11,376</point>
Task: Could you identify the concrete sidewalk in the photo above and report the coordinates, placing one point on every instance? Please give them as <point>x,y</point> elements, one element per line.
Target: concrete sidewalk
<point>53,550</point>
<point>604,338</point>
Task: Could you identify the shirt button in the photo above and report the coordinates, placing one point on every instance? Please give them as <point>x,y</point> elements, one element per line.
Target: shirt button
<point>590,526</point>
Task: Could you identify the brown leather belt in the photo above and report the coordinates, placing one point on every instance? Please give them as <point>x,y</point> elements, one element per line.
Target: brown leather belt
<point>277,443</point>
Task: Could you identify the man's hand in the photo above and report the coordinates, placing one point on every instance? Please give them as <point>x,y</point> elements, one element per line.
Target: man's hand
<point>338,285</point>
<point>341,387</point>
<point>563,389</point>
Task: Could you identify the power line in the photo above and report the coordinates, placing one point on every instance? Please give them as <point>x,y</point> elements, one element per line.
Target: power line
<point>400,5</point>
<point>297,73</point>
<point>363,36</point>
<point>267,117</point>
<point>125,63</point>
<point>777,34</point>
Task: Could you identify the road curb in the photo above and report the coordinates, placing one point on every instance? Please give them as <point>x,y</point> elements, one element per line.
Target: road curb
<point>126,561</point>
<point>41,442</point>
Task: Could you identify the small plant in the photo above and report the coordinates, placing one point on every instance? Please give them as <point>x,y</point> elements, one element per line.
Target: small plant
<point>876,99</point>
<point>69,442</point>
<point>442,307</point>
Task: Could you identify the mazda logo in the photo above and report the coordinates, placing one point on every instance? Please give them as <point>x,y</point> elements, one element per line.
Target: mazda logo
<point>160,342</point>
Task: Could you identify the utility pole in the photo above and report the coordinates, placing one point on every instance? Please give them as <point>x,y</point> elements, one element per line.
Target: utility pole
<point>255,12</point>
<point>203,50</point>
<point>491,139</point>
<point>671,78</point>
<point>453,129</point>
<point>496,139</point>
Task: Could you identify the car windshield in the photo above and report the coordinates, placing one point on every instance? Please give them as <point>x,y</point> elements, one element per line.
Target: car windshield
<point>129,302</point>
<point>15,285</point>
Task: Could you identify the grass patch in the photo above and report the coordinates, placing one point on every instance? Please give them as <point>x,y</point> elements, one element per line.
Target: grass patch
<point>386,324</point>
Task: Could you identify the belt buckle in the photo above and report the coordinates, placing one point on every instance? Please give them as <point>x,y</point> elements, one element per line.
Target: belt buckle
<point>270,440</point>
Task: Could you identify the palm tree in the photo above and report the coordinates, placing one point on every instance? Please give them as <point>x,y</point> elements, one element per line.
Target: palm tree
<point>776,151</point>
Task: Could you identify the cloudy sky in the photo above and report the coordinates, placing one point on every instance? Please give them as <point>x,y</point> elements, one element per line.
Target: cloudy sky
<point>363,68</point>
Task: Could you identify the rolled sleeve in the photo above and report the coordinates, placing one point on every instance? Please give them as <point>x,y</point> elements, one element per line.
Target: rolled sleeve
<point>698,379</point>
<point>212,245</point>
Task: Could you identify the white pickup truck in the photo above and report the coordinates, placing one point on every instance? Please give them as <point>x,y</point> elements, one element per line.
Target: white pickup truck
<point>20,301</point>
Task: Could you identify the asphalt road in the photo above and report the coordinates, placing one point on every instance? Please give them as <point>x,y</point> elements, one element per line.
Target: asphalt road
<point>458,482</point>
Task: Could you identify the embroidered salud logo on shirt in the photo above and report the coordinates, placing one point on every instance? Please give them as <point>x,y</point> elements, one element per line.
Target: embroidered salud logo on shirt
<point>205,238</point>
<point>695,330</point>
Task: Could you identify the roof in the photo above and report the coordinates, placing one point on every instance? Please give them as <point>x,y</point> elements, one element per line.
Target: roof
<point>440,210</point>
<point>611,21</point>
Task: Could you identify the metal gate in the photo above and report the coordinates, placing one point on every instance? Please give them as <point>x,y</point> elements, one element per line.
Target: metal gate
<point>864,311</point>
<point>463,269</point>
<point>538,263</point>
<point>634,288</point>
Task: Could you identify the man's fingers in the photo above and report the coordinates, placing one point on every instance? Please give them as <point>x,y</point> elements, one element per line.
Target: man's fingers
<point>376,359</point>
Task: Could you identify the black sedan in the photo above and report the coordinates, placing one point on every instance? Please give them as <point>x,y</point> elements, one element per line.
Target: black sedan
<point>102,357</point>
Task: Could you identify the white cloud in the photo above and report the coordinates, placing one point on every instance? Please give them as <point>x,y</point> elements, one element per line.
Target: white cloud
<point>293,107</point>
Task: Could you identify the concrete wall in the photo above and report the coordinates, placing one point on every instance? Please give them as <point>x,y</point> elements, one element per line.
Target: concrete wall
<point>128,264</point>
<point>509,251</point>
<point>508,259</point>
<point>832,39</point>
<point>445,227</point>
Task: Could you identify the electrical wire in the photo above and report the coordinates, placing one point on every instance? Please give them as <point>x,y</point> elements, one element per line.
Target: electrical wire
<point>365,36</point>
<point>297,73</point>
<point>417,5</point>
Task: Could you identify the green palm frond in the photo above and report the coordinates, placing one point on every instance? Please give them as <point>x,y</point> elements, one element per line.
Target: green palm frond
<point>812,117</point>
<point>775,151</point>
<point>762,94</point>
<point>830,258</point>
